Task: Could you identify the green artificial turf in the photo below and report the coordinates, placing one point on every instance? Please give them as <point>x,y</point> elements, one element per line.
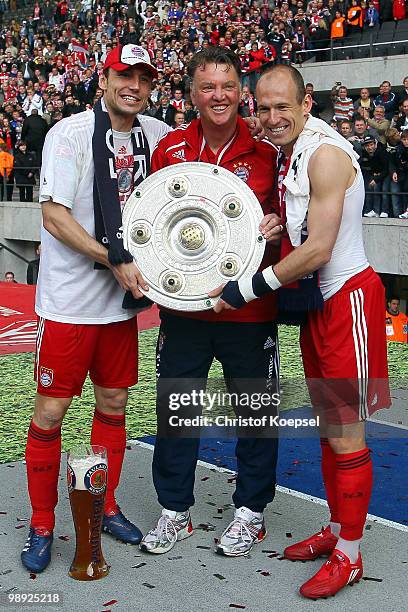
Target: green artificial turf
<point>17,393</point>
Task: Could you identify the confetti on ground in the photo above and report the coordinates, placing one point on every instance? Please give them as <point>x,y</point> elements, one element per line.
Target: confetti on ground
<point>205,478</point>
<point>219,576</point>
<point>110,603</point>
<point>206,527</point>
<point>149,586</point>
<point>268,551</point>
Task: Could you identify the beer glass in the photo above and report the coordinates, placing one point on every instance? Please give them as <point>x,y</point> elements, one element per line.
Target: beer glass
<point>87,472</point>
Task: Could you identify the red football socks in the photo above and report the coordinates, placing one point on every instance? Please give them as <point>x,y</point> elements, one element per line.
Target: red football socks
<point>109,431</point>
<point>43,457</point>
<point>354,481</point>
<point>329,478</point>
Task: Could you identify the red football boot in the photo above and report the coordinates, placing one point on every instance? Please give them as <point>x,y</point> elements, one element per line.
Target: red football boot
<point>336,573</point>
<point>319,544</point>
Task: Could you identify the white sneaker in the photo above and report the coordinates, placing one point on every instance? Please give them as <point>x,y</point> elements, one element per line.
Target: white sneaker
<point>245,530</point>
<point>371,214</point>
<point>384,215</point>
<point>404,215</point>
<point>171,527</point>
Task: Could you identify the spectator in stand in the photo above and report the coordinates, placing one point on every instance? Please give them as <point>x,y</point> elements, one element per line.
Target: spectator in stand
<point>346,129</point>
<point>315,110</point>
<point>6,172</point>
<point>338,26</point>
<point>24,171</point>
<point>378,123</point>
<point>33,267</point>
<point>343,105</point>
<point>390,201</point>
<point>364,102</point>
<point>247,106</point>
<point>256,59</point>
<point>405,88</point>
<point>34,130</point>
<point>361,130</point>
<point>319,37</point>
<point>399,10</point>
<point>9,277</point>
<point>402,121</point>
<point>372,17</point>
<point>8,134</point>
<point>374,166</point>
<point>178,101</point>
<point>355,17</point>
<point>190,113</point>
<point>396,322</point>
<point>387,99</point>
<point>165,111</point>
<point>399,178</point>
<point>179,119</point>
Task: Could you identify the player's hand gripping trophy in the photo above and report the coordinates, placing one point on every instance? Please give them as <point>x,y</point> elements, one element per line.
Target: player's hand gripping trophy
<point>87,476</point>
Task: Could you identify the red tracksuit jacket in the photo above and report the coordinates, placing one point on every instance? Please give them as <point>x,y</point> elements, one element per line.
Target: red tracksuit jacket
<point>255,163</point>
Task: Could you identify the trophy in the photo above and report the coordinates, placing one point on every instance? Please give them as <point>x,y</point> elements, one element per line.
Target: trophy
<point>190,228</point>
<point>87,471</point>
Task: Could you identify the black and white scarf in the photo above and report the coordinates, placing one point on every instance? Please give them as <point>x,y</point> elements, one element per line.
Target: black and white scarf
<point>107,209</point>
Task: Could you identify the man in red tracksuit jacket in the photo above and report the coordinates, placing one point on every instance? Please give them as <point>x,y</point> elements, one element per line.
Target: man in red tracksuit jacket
<point>245,342</point>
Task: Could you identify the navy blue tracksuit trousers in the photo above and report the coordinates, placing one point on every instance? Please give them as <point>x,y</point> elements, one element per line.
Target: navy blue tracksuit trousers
<point>185,350</point>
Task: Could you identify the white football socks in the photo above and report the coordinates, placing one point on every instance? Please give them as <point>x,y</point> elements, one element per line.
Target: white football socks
<point>350,548</point>
<point>335,528</point>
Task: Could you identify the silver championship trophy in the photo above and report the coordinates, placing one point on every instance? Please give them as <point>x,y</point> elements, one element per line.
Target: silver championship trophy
<point>190,228</point>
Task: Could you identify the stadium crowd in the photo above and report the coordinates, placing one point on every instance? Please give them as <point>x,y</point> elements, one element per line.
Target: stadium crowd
<point>51,60</point>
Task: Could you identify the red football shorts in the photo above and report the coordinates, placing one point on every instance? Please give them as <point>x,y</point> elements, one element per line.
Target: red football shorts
<point>66,352</point>
<point>344,352</point>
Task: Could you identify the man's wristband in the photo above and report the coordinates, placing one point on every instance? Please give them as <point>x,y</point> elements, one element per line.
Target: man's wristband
<point>238,293</point>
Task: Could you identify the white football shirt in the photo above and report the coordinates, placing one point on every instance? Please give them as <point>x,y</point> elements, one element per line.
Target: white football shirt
<point>69,289</point>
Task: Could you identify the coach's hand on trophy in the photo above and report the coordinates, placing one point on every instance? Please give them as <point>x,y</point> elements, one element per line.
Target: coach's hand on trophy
<point>271,228</point>
<point>220,304</point>
<point>130,278</point>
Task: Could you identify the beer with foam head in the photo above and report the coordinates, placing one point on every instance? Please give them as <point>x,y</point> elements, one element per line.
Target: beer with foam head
<point>87,477</point>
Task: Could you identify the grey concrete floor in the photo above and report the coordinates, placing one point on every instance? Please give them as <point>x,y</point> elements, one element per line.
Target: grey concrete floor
<point>191,577</point>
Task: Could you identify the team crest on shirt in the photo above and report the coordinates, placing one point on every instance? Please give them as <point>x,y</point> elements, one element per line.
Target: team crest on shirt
<point>46,376</point>
<point>242,169</point>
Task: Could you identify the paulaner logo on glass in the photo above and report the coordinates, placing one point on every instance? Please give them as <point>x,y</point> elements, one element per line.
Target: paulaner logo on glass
<point>202,398</point>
